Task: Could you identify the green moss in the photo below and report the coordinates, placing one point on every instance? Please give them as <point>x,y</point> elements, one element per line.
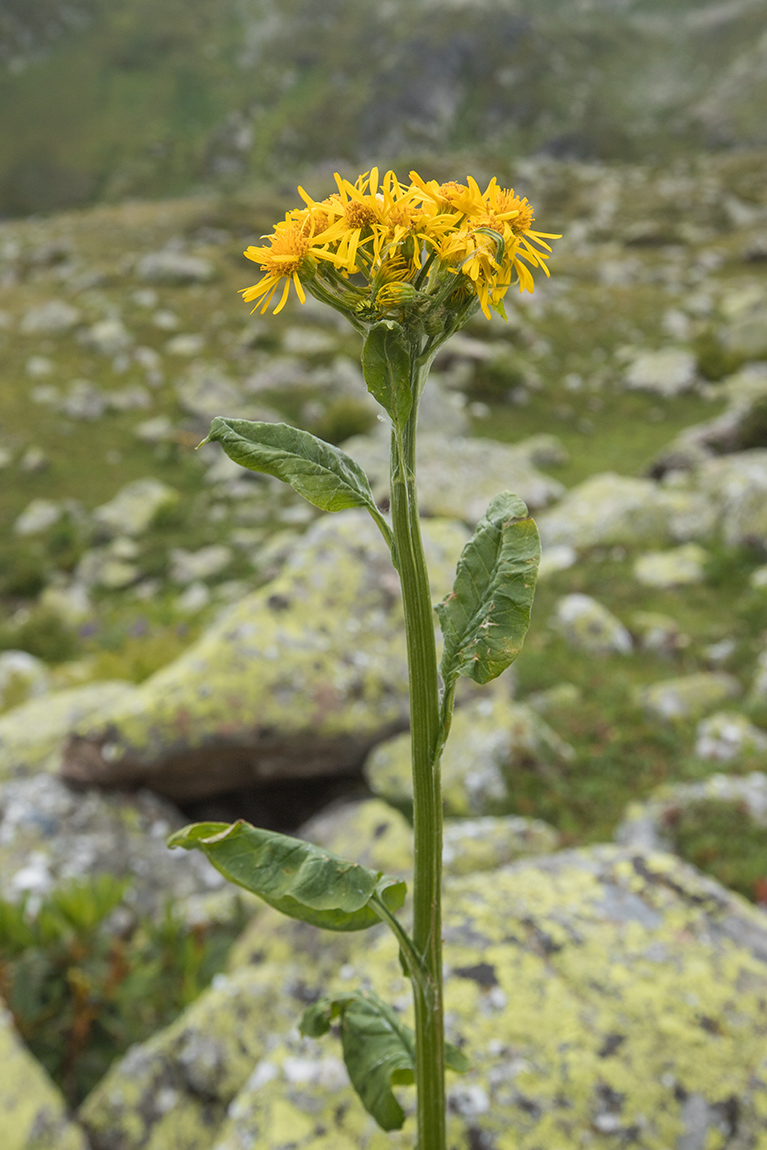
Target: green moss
<point>723,839</point>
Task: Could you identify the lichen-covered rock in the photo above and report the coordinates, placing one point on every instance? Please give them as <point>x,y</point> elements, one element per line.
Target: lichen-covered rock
<point>50,834</point>
<point>32,733</point>
<point>727,735</point>
<point>737,486</point>
<point>675,568</point>
<point>609,509</point>
<point>458,477</point>
<point>658,632</point>
<point>172,267</point>
<point>132,509</point>
<point>33,1113</point>
<point>378,836</point>
<point>689,696</point>
<point>668,372</point>
<point>490,738</point>
<point>604,997</point>
<point>587,625</point>
<point>54,317</point>
<point>300,678</point>
<point>648,825</point>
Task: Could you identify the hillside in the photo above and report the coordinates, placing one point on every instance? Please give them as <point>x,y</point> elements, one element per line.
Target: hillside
<point>102,99</point>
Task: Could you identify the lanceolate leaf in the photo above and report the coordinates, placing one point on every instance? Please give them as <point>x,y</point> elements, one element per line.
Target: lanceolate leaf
<point>379,1050</point>
<point>327,477</point>
<point>485,618</point>
<point>386,368</point>
<point>295,877</point>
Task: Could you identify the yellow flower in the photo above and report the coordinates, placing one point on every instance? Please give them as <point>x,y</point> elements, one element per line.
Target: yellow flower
<point>292,245</point>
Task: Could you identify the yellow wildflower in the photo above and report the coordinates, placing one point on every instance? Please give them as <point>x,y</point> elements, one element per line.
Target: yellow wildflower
<point>291,245</point>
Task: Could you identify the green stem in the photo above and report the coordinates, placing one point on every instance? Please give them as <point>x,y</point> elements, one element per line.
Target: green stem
<point>425,726</point>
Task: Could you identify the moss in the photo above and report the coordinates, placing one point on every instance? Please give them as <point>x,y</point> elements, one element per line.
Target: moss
<point>724,840</point>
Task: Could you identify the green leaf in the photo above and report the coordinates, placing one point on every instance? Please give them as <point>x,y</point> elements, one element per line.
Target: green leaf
<point>386,368</point>
<point>321,473</point>
<point>300,880</point>
<point>485,618</point>
<point>379,1049</point>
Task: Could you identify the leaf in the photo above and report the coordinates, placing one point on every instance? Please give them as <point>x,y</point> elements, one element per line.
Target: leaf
<point>300,880</point>
<point>386,368</point>
<point>321,473</point>
<point>485,618</point>
<point>379,1049</point>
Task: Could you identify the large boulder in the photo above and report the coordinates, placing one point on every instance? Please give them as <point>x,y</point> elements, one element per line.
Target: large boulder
<point>609,510</point>
<point>299,679</point>
<point>32,733</point>
<point>33,1113</point>
<point>491,738</point>
<point>51,834</point>
<point>604,996</point>
<point>458,477</point>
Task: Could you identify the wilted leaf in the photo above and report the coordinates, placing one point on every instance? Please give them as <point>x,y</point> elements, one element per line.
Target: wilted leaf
<point>295,877</point>
<point>485,618</point>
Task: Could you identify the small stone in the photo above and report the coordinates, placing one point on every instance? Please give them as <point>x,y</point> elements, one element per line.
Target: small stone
<point>83,400</point>
<point>38,516</point>
<point>758,692</point>
<point>195,598</point>
<point>108,337</point>
<point>155,430</point>
<point>666,373</point>
<point>559,557</point>
<point>170,267</point>
<point>657,632</point>
<point>70,602</point>
<point>166,320</point>
<point>132,510</point>
<point>758,578</point>
<point>185,345</point>
<point>676,568</point>
<point>52,318</point>
<point>308,341</point>
<point>555,698</point>
<point>589,626</point>
<point>689,696</point>
<point>133,398</point>
<point>34,459</point>
<point>727,735</point>
<point>207,562</point>
<point>39,365</point>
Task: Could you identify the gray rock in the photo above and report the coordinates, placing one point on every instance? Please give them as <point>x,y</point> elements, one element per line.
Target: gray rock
<point>689,696</point>
<point>31,734</point>
<point>737,486</point>
<point>206,391</point>
<point>33,1113</point>
<point>171,267</point>
<point>620,951</point>
<point>204,563</point>
<point>457,477</point>
<point>676,568</point>
<point>658,632</point>
<point>50,834</point>
<point>51,318</point>
<point>38,516</point>
<point>306,340</point>
<point>108,337</point>
<point>490,739</point>
<point>727,735</point>
<point>83,400</point>
<point>22,676</point>
<point>648,825</point>
<point>587,625</point>
<point>746,332</point>
<point>187,344</point>
<point>132,510</point>
<point>666,373</point>
<point>609,510</point>
<point>300,678</point>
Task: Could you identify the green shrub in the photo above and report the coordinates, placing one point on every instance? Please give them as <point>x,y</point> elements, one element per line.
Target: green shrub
<point>81,992</point>
<point>43,634</point>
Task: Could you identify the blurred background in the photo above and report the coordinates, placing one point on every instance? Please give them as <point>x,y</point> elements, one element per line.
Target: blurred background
<point>172,623</point>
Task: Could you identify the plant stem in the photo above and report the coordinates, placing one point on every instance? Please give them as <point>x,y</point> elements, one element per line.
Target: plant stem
<point>425,727</point>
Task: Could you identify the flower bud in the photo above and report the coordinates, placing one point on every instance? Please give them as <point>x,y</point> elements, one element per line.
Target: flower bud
<point>396,294</point>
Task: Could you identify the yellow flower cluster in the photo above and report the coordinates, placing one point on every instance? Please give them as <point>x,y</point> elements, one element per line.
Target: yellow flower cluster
<point>396,238</point>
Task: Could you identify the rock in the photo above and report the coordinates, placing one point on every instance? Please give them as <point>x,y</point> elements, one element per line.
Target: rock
<point>205,563</point>
<point>557,558</point>
<point>676,568</point>
<point>309,341</point>
<point>588,626</point>
<point>737,486</point>
<point>608,510</point>
<point>688,697</point>
<point>727,735</point>
<point>657,632</point>
<point>170,267</point>
<point>158,429</point>
<point>746,333</point>
<point>187,344</point>
<point>33,1113</point>
<point>108,337</point>
<point>485,844</point>
<point>22,676</point>
<point>649,825</point>
<point>111,567</point>
<point>298,679</point>
<point>206,391</point>
<point>578,984</point>
<point>491,738</point>
<point>51,318</point>
<point>457,477</point>
<point>132,510</point>
<point>39,365</point>
<point>69,601</point>
<point>552,699</point>
<point>83,400</point>
<point>31,734</point>
<point>666,373</point>
<point>50,834</point>
<point>38,516</point>
<point>34,459</point>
